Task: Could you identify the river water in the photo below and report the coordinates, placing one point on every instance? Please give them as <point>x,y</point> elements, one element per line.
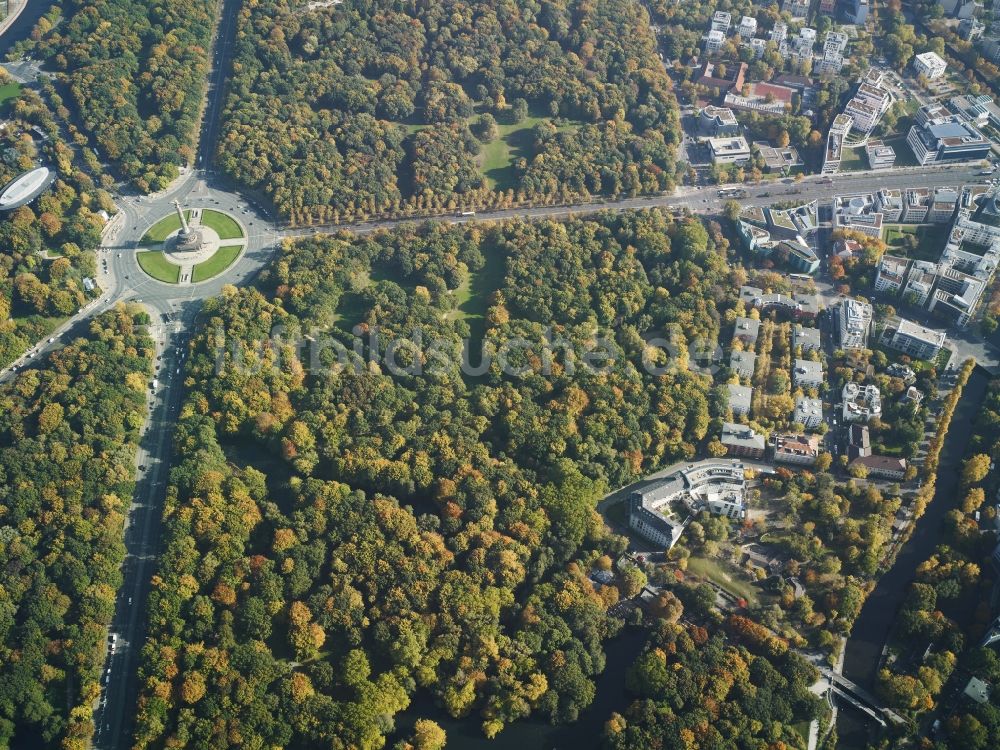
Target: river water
<point>872,627</point>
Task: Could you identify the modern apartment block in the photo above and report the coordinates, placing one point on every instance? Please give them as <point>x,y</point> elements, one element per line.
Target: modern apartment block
<point>913,339</point>
<point>870,102</point>
<point>929,64</point>
<point>880,156</point>
<point>839,131</point>
<point>954,286</point>
<point>852,323</point>
<point>748,28</point>
<point>721,21</point>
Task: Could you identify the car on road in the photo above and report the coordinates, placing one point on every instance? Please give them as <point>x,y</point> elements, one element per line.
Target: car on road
<point>51,340</point>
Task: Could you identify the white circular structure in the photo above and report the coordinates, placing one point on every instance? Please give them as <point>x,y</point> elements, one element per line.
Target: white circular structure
<point>25,188</point>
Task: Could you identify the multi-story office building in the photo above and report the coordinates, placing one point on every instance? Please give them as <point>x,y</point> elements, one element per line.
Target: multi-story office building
<point>852,322</point>
<point>916,205</point>
<point>947,138</point>
<point>889,202</point>
<point>835,143</point>
<point>718,122</point>
<point>913,339</point>
<point>880,156</point>
<point>929,64</point>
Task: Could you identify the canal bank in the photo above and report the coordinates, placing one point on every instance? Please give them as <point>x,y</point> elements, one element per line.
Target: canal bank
<point>871,629</point>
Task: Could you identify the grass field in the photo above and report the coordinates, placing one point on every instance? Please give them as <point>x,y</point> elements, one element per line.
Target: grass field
<point>930,238</point>
<point>512,142</point>
<point>723,575</point>
<point>853,160</point>
<point>225,226</point>
<point>904,154</point>
<point>218,263</point>
<point>9,91</point>
<point>155,263</point>
<point>473,295</point>
<point>162,229</point>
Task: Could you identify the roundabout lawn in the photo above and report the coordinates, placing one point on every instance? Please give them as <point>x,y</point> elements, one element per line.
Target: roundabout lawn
<point>224,225</point>
<point>154,263</point>
<point>162,229</point>
<point>223,259</point>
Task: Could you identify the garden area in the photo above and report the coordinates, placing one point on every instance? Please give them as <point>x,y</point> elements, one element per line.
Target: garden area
<point>224,257</point>
<point>917,241</point>
<point>155,263</point>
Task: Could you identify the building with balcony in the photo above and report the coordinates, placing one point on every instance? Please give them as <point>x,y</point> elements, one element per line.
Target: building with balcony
<point>742,441</point>
<point>852,323</point>
<point>808,412</point>
<point>806,339</point>
<point>861,402</point>
<point>807,374</point>
<point>746,330</point>
<point>834,152</point>
<point>743,363</point>
<point>740,398</point>
<point>912,339</point>
<point>721,21</point>
<point>930,65</point>
<point>800,450</point>
<point>748,28</point>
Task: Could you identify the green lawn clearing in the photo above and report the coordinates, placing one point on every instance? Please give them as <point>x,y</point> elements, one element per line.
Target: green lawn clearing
<point>155,263</point>
<point>164,227</point>
<point>918,241</point>
<point>512,142</point>
<point>224,225</point>
<point>218,263</point>
<point>473,294</point>
<point>9,91</point>
<point>853,160</point>
<point>725,576</point>
<point>904,154</point>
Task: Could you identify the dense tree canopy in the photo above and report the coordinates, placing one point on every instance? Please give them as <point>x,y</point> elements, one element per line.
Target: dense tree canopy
<point>341,536</point>
<point>68,435</point>
<point>693,690</point>
<point>365,108</point>
<point>46,247</point>
<point>135,72</point>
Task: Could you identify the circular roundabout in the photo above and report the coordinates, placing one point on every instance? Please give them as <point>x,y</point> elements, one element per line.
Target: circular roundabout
<point>191,245</point>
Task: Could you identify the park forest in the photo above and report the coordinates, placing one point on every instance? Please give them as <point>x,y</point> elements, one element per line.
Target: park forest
<point>387,107</point>
<point>69,435</point>
<point>338,538</point>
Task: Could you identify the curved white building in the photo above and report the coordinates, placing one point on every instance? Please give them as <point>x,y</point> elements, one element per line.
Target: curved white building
<point>25,188</point>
